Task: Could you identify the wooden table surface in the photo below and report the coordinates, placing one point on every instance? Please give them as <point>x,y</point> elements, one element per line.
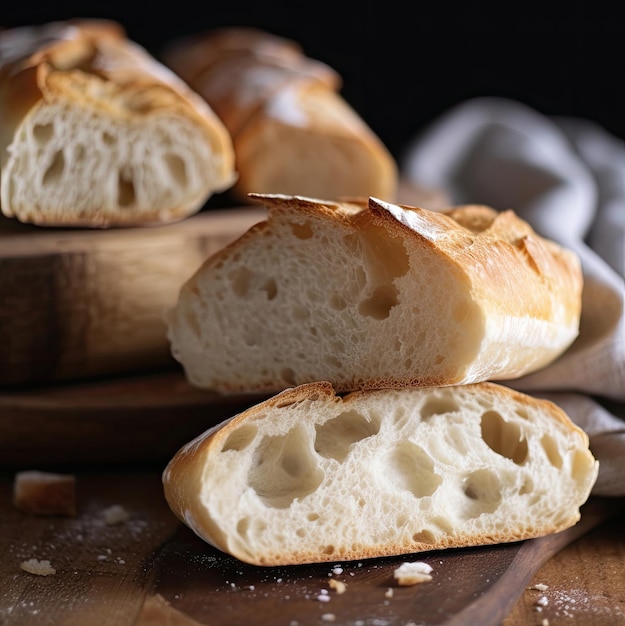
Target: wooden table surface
<point>151,570</point>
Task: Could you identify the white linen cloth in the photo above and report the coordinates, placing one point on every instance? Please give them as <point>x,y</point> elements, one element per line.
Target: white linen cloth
<point>566,177</point>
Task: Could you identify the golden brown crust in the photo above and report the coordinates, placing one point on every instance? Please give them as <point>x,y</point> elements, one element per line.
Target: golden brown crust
<point>292,130</point>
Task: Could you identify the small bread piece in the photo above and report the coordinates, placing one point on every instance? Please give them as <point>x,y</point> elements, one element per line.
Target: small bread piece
<point>45,493</point>
<point>292,130</point>
<point>309,476</point>
<point>377,295</point>
<point>97,133</point>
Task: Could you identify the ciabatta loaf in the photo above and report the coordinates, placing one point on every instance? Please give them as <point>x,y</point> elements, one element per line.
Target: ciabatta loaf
<point>309,476</point>
<point>95,132</point>
<point>293,132</point>
<point>375,295</point>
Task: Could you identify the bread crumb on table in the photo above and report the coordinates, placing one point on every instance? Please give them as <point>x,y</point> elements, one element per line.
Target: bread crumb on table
<point>412,573</point>
<point>337,585</point>
<point>44,493</point>
<point>115,514</point>
<point>40,568</point>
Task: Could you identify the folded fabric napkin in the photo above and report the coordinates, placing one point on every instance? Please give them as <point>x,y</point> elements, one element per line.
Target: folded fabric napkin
<point>566,177</point>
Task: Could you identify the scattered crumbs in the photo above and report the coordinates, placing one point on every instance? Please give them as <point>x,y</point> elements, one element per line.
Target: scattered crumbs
<point>251,587</point>
<point>40,568</point>
<point>101,557</point>
<point>323,596</point>
<point>337,585</point>
<point>389,593</point>
<point>359,622</point>
<point>293,623</point>
<point>328,617</point>
<point>545,622</point>
<point>542,601</point>
<point>115,514</point>
<point>540,587</point>
<point>337,570</point>
<point>278,580</point>
<point>412,573</point>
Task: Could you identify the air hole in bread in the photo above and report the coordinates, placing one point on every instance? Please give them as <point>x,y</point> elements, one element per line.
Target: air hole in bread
<point>243,525</point>
<point>439,405</point>
<point>483,490</point>
<point>580,468</point>
<point>302,231</point>
<point>125,190</point>
<point>337,302</point>
<point>527,487</point>
<point>425,536</point>
<point>108,139</point>
<point>333,361</point>
<point>335,437</point>
<point>288,375</point>
<point>284,468</point>
<point>328,550</point>
<point>240,280</point>
<point>240,438</point>
<point>411,468</point>
<point>54,170</point>
<point>42,133</point>
<point>504,438</point>
<point>378,306</point>
<point>551,450</point>
<point>312,517</point>
<point>270,288</point>
<point>177,168</point>
<point>300,532</point>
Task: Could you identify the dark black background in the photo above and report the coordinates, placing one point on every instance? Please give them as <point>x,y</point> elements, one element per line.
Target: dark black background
<point>405,63</point>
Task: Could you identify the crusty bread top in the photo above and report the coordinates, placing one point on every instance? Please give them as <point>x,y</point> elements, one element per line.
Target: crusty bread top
<point>371,294</point>
<point>310,476</point>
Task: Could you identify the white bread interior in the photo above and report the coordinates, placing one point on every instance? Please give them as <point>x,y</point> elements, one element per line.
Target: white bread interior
<point>293,132</point>
<point>97,132</point>
<point>309,476</point>
<point>370,295</point>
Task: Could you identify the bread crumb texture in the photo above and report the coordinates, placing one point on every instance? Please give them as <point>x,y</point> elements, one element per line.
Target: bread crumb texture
<point>40,568</point>
<point>311,476</point>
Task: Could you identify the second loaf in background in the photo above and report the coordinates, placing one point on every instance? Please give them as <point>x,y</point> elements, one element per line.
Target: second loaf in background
<point>292,130</point>
<point>371,295</point>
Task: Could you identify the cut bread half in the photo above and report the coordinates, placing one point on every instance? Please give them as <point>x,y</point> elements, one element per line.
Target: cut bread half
<point>375,295</point>
<point>97,133</point>
<point>310,476</point>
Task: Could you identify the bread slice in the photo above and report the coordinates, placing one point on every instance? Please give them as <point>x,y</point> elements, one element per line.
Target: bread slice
<point>309,476</point>
<point>375,295</point>
<point>293,132</point>
<point>97,133</point>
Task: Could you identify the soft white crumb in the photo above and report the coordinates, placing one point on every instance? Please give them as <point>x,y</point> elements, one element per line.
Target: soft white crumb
<point>115,515</point>
<point>542,601</point>
<point>40,568</point>
<point>389,592</point>
<point>540,587</point>
<point>412,573</point>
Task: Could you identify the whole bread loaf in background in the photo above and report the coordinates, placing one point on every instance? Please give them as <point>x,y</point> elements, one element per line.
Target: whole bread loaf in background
<point>293,132</point>
<point>95,132</point>
<point>370,295</point>
<point>309,476</point>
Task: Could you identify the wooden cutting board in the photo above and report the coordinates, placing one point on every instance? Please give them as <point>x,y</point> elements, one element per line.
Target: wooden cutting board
<point>152,571</point>
<point>79,304</point>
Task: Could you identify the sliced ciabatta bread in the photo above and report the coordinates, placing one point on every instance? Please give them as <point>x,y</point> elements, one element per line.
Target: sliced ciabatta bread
<point>309,476</point>
<point>375,295</point>
<point>293,132</point>
<point>95,132</point>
